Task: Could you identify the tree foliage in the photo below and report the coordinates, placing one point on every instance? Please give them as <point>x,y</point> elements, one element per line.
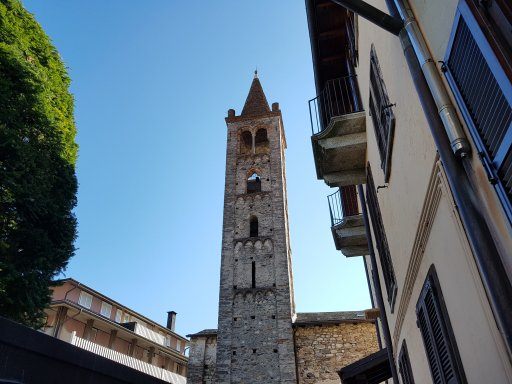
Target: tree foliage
<point>37,166</point>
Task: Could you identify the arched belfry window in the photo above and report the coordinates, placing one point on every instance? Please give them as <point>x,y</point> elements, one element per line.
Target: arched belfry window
<point>246,142</point>
<point>254,183</point>
<point>261,141</point>
<point>253,227</point>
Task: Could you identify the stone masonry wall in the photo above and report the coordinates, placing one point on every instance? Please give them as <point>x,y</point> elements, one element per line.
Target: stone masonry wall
<point>322,350</point>
<point>202,359</point>
<point>255,335</point>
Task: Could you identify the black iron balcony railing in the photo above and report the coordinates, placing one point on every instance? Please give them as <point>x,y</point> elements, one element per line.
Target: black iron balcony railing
<point>339,97</point>
<point>343,203</point>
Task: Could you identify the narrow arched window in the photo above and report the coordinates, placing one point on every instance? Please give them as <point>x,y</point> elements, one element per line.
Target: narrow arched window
<point>254,183</point>
<point>253,227</point>
<point>261,141</point>
<point>245,142</point>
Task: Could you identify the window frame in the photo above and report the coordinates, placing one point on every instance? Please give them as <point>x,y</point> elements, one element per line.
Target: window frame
<point>384,131</point>
<point>404,365</point>
<point>432,290</point>
<point>491,164</point>
<point>106,309</point>
<point>381,242</point>
<point>85,299</point>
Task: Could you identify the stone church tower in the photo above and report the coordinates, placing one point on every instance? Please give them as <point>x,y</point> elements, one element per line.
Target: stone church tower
<point>255,337</point>
<point>260,338</point>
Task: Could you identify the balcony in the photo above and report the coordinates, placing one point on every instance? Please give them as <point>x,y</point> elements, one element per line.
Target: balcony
<point>338,124</point>
<point>347,224</point>
<point>129,361</point>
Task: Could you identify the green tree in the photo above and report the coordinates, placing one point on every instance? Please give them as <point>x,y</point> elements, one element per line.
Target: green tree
<point>37,166</point>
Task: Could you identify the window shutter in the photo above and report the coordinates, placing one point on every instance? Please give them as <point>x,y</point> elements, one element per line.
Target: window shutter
<point>381,241</point>
<point>404,365</point>
<point>484,95</point>
<point>382,115</point>
<point>435,330</point>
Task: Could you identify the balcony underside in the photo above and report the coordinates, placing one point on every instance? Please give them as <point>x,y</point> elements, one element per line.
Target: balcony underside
<point>350,236</point>
<point>340,150</point>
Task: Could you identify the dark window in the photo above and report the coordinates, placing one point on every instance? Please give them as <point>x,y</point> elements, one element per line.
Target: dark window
<point>253,274</point>
<point>438,338</point>
<point>404,365</point>
<point>261,141</point>
<point>381,113</point>
<point>484,93</point>
<point>381,241</point>
<point>253,227</point>
<point>246,142</point>
<point>254,183</point>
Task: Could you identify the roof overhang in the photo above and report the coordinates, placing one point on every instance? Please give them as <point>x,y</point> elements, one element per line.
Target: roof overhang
<point>327,34</point>
<point>372,369</point>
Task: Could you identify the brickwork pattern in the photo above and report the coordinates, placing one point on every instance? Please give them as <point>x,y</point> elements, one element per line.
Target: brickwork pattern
<point>323,350</point>
<point>256,102</point>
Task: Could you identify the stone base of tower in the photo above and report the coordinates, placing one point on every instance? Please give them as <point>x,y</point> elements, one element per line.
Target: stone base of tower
<point>324,343</point>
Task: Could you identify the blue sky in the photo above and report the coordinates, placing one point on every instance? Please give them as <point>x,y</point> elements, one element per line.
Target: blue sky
<point>152,82</point>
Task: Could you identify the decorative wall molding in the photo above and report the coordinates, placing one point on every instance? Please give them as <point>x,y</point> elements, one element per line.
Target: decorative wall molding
<point>436,188</point>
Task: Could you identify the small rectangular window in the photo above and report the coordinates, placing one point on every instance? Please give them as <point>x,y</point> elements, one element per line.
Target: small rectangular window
<point>381,241</point>
<point>178,345</point>
<point>119,315</point>
<point>436,331</point>
<point>404,365</point>
<point>106,309</point>
<point>382,115</point>
<point>253,227</point>
<point>253,274</point>
<point>85,299</point>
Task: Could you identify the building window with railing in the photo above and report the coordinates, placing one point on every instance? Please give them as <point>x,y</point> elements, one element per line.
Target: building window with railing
<point>476,69</point>
<point>343,203</point>
<point>381,241</point>
<point>382,114</point>
<point>338,98</point>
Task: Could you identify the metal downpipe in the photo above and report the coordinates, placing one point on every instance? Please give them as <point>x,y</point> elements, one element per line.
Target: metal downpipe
<point>376,286</point>
<point>445,109</point>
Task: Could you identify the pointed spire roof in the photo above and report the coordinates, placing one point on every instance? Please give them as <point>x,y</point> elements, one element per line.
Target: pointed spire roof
<point>256,102</point>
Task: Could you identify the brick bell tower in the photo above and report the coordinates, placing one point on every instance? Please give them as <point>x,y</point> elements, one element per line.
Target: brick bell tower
<point>255,337</point>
